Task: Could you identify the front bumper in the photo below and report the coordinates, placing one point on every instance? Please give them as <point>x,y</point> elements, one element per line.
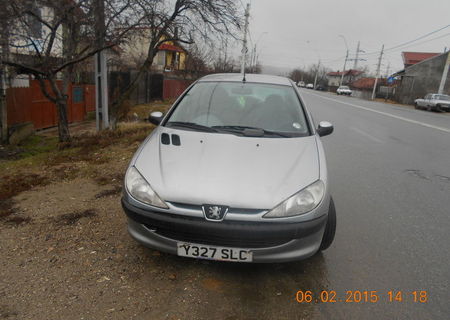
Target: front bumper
<point>269,241</point>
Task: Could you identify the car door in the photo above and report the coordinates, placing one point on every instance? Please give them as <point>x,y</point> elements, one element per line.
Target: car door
<point>424,102</point>
<point>430,101</point>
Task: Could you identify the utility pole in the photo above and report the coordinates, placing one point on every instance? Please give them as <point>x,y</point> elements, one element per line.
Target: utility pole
<point>101,76</point>
<point>356,57</point>
<point>317,72</point>
<point>244,44</point>
<point>343,71</point>
<point>378,72</point>
<point>444,74</point>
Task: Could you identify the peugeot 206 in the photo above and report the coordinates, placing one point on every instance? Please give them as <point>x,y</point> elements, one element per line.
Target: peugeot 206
<point>235,171</point>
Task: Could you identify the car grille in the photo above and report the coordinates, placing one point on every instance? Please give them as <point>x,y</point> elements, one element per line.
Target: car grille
<point>216,240</point>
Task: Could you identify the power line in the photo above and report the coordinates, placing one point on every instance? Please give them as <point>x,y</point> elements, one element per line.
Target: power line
<point>410,41</point>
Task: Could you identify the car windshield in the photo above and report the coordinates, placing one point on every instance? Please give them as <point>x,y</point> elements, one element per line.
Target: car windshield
<point>235,107</point>
<point>344,87</point>
<point>442,97</point>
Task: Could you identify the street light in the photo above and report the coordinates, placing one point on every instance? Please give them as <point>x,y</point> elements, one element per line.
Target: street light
<point>345,61</point>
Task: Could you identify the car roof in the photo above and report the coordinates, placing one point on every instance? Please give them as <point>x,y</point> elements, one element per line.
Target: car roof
<point>254,78</point>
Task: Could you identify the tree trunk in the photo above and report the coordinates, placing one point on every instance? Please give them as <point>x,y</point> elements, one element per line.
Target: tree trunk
<point>63,123</point>
<point>61,109</point>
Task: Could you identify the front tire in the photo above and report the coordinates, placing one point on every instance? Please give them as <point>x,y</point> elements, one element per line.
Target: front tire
<point>330,228</point>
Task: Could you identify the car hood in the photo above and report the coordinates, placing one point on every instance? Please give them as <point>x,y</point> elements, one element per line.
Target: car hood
<point>226,169</point>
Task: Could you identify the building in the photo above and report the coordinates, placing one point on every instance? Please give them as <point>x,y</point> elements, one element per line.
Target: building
<point>422,78</point>
<point>411,58</point>
<point>334,78</point>
<point>26,39</point>
<point>170,57</point>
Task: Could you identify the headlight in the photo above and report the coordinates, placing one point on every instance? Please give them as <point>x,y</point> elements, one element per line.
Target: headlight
<point>141,190</point>
<point>300,203</point>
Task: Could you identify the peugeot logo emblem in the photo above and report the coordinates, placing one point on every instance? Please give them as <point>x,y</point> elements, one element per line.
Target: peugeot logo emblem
<point>214,212</point>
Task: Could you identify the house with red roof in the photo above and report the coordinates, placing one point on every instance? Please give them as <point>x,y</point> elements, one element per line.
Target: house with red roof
<point>411,58</point>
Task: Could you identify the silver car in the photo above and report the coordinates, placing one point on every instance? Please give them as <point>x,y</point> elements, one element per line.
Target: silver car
<point>235,171</point>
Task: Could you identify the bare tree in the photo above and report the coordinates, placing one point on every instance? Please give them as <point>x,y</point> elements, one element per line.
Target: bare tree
<point>51,37</point>
<point>198,60</point>
<point>297,75</point>
<point>177,21</point>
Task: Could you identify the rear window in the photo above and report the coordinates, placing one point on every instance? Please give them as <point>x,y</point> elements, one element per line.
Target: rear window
<point>265,106</point>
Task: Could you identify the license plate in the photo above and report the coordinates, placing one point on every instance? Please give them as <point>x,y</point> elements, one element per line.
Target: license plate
<point>201,251</point>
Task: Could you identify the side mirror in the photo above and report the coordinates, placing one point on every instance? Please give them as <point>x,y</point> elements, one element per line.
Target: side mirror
<point>325,128</point>
<point>155,117</point>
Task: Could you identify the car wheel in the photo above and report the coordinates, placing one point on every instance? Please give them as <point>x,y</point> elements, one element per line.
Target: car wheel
<point>330,228</point>
<point>439,109</point>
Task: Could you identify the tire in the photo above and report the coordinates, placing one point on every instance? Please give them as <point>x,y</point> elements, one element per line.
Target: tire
<point>330,228</point>
<point>439,109</point>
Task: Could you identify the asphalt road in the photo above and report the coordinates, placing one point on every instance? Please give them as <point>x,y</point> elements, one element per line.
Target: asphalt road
<point>390,178</point>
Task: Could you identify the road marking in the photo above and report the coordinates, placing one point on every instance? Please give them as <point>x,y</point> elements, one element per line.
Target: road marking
<point>385,114</point>
<point>367,135</point>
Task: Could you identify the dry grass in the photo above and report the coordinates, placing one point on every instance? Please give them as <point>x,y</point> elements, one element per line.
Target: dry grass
<point>143,110</point>
<point>12,185</point>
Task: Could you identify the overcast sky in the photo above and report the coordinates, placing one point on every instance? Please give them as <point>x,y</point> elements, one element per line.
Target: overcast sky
<point>300,32</point>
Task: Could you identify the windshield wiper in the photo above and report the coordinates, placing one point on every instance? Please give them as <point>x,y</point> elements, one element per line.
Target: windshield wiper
<point>251,131</point>
<point>190,125</point>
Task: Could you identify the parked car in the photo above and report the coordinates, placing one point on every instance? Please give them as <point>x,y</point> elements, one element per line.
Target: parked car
<point>344,90</point>
<point>309,86</point>
<point>434,101</point>
<point>301,84</point>
<point>320,87</point>
<point>235,171</point>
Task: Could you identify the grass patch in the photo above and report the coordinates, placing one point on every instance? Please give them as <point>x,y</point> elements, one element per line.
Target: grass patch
<point>36,144</point>
<point>74,217</point>
<point>31,146</point>
<point>90,147</point>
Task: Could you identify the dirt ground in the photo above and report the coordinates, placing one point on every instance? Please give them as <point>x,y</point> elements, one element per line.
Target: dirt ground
<point>66,254</point>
